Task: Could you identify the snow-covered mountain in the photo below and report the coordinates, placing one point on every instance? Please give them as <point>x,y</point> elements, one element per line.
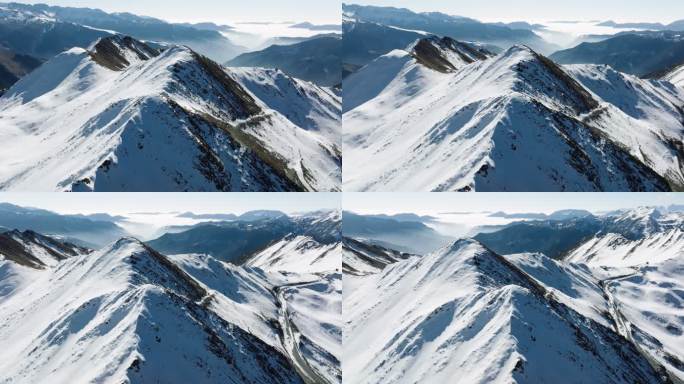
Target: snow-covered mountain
<point>676,76</point>
<point>316,59</point>
<point>127,313</point>
<point>124,116</point>
<point>307,243</point>
<point>512,122</point>
<point>298,253</point>
<point>467,312</point>
<point>34,250</point>
<point>363,258</point>
<point>611,306</point>
<point>641,53</point>
<point>633,238</point>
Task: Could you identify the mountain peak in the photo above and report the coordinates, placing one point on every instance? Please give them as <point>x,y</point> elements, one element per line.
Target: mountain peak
<point>444,54</point>
<point>544,79</point>
<point>118,52</point>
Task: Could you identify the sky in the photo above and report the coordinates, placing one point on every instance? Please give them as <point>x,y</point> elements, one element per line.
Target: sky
<point>438,203</point>
<point>546,10</point>
<point>126,203</point>
<point>218,11</point>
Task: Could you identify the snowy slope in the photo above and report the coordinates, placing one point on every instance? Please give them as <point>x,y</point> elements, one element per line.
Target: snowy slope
<point>301,254</point>
<point>413,66</point>
<point>635,237</point>
<point>649,303</point>
<point>303,103</point>
<point>296,313</point>
<point>24,255</point>
<point>34,250</point>
<point>571,284</point>
<point>361,258</point>
<point>676,76</point>
<point>123,117</point>
<point>127,314</point>
<point>312,315</point>
<point>643,116</point>
<point>514,122</point>
<point>466,312</point>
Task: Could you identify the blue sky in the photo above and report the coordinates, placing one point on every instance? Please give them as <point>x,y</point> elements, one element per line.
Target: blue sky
<point>122,203</point>
<point>547,10</point>
<point>220,11</point>
<point>434,203</point>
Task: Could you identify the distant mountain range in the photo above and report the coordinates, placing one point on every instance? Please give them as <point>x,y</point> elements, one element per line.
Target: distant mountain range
<point>258,238</point>
<point>405,236</point>
<point>459,28</point>
<point>14,66</point>
<point>78,27</point>
<point>86,231</point>
<point>316,59</point>
<point>645,54</point>
<point>673,26</point>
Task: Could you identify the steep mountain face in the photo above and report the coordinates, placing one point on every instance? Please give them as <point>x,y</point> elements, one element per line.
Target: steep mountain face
<point>298,253</point>
<point>128,314</point>
<point>648,305</point>
<point>621,239</point>
<point>317,60</point>
<point>468,312</point>
<point>83,22</point>
<point>117,110</point>
<point>644,53</point>
<point>419,61</point>
<point>297,314</point>
<point>34,250</point>
<point>460,28</point>
<point>307,106</point>
<point>633,238</point>
<point>14,66</point>
<point>675,76</point>
<point>638,303</point>
<point>513,122</point>
<point>269,242</point>
<point>75,228</point>
<point>362,258</point>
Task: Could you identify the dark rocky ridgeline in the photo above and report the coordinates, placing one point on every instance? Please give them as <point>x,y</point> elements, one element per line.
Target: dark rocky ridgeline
<point>19,247</point>
<point>430,52</point>
<point>109,51</point>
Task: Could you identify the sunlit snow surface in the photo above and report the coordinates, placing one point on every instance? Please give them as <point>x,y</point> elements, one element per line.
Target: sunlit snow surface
<point>513,122</point>
<point>128,314</point>
<point>89,127</point>
<point>466,311</point>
